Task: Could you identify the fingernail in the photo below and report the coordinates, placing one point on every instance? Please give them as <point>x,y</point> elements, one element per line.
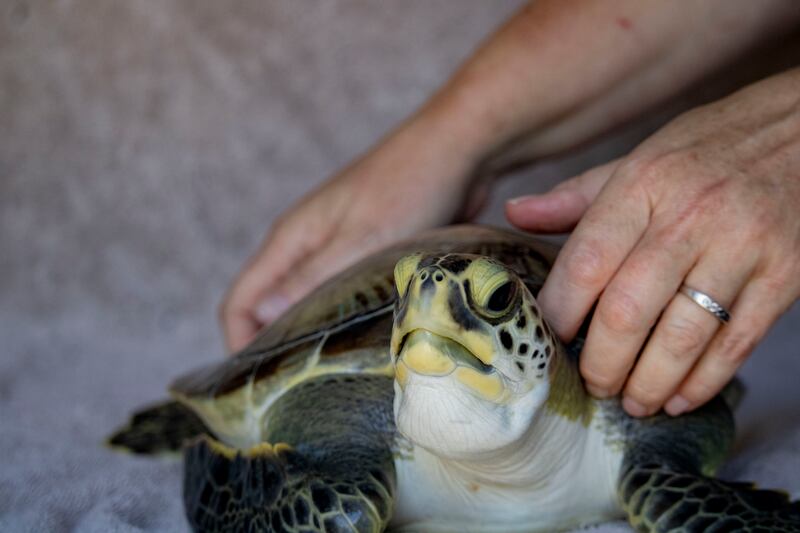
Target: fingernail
<point>271,308</point>
<point>676,405</point>
<point>597,392</point>
<point>520,199</point>
<point>633,407</point>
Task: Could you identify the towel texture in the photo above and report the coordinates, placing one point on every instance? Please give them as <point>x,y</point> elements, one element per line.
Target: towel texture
<point>145,147</point>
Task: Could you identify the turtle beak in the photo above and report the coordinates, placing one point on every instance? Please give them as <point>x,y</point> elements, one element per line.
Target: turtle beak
<point>429,353</point>
<point>426,305</point>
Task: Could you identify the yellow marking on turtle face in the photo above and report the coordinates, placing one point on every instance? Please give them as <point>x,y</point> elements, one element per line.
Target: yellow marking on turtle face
<point>401,373</point>
<point>490,386</point>
<point>485,277</point>
<point>423,358</point>
<point>432,312</point>
<point>404,270</point>
<point>394,343</point>
<point>480,345</point>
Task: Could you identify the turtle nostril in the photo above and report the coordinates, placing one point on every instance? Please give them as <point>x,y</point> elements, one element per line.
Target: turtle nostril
<point>439,277</point>
<point>423,276</point>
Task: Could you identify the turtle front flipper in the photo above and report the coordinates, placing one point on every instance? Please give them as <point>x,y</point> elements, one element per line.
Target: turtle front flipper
<point>665,483</point>
<point>275,488</point>
<point>161,428</point>
<point>336,475</point>
<point>660,500</point>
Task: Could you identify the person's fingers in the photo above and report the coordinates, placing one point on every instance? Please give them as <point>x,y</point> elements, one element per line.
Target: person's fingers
<point>600,243</point>
<point>239,328</point>
<point>683,332</point>
<point>758,306</point>
<point>306,276</point>
<point>629,307</point>
<point>281,249</point>
<point>559,209</point>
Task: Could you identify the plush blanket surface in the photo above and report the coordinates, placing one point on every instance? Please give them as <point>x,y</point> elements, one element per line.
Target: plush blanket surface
<point>145,147</point>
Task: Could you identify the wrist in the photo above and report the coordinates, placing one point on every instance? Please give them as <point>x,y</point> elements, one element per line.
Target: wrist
<point>444,142</point>
<point>454,129</point>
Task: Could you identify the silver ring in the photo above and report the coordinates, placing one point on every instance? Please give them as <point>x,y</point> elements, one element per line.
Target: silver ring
<point>706,302</point>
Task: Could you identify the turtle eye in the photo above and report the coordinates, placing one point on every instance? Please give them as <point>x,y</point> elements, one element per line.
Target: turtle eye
<point>494,293</point>
<point>501,298</point>
<point>403,271</point>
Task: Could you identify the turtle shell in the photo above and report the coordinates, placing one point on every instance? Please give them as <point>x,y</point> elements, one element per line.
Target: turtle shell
<point>345,324</point>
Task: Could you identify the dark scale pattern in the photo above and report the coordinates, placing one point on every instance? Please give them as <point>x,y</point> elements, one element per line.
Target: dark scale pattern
<point>275,521</point>
<point>523,348</point>
<point>506,340</point>
<point>302,511</point>
<point>324,499</point>
<point>663,490</point>
<point>660,500</point>
<point>337,524</point>
<point>454,263</point>
<point>328,482</point>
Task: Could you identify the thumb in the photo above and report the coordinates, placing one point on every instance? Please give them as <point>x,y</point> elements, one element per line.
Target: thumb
<point>560,209</point>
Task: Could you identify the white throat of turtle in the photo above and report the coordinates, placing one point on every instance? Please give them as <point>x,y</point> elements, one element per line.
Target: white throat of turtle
<point>451,403</point>
<point>560,460</point>
<point>550,445</point>
<point>437,414</point>
<point>556,466</point>
<point>524,442</point>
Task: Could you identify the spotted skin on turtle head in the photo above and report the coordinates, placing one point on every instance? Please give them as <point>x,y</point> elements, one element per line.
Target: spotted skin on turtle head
<point>479,304</point>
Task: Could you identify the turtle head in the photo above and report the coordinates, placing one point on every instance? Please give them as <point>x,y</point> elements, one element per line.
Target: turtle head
<point>471,354</point>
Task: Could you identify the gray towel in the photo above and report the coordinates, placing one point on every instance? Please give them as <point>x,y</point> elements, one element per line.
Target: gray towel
<point>145,146</point>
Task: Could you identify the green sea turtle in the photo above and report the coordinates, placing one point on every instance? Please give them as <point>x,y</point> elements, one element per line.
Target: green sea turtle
<point>421,390</point>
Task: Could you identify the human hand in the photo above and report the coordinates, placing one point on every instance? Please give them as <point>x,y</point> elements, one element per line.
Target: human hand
<point>404,185</point>
<point>711,200</point>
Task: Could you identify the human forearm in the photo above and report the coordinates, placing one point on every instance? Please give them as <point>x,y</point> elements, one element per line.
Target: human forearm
<point>559,73</point>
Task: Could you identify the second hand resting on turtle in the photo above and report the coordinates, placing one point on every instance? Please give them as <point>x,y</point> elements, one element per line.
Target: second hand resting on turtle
<point>709,201</point>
